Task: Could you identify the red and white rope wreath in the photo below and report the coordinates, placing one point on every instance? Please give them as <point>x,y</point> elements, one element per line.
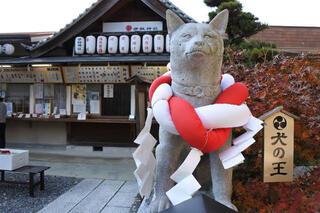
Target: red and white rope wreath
<point>205,129</point>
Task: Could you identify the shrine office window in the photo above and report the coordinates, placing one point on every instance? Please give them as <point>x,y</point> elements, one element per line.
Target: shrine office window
<point>116,99</point>
<point>93,92</point>
<point>18,95</point>
<point>86,98</point>
<point>49,98</point>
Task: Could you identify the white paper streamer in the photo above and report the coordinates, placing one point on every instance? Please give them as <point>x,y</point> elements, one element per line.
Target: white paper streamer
<point>144,158</point>
<point>188,165</point>
<point>183,190</point>
<point>232,156</point>
<point>187,185</point>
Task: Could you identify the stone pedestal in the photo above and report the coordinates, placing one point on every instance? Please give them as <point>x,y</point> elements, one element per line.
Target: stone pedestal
<point>200,204</point>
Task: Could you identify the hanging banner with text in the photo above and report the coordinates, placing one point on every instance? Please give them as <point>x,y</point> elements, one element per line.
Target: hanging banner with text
<point>136,26</point>
<point>278,148</point>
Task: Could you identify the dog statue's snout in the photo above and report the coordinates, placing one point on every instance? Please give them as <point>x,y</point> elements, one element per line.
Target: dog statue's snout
<point>199,43</point>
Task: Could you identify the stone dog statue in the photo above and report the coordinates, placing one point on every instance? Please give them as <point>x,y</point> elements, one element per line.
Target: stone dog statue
<point>196,58</point>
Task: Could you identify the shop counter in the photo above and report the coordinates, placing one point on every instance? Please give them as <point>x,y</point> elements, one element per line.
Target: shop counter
<point>95,131</point>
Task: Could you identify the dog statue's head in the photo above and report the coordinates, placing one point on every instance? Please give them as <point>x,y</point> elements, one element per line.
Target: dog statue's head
<point>196,45</point>
<point>196,41</point>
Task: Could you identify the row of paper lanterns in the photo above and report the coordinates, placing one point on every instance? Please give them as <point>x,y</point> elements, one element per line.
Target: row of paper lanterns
<point>7,49</point>
<point>123,44</point>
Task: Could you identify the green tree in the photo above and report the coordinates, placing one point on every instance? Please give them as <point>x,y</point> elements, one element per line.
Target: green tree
<point>241,24</point>
<point>215,3</point>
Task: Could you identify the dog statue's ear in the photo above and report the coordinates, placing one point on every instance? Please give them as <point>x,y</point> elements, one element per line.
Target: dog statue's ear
<point>220,22</point>
<point>173,21</point>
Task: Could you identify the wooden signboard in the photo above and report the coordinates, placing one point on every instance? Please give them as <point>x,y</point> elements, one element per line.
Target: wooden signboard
<point>278,147</point>
<point>54,76</point>
<point>70,74</point>
<point>148,72</point>
<point>32,75</point>
<point>132,26</point>
<point>96,74</point>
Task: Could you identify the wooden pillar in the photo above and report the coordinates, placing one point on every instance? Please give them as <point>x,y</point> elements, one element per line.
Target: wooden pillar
<point>68,100</point>
<point>141,106</point>
<point>31,100</point>
<point>132,102</point>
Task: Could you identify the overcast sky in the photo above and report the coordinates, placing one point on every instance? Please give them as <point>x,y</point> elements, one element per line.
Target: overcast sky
<point>51,15</point>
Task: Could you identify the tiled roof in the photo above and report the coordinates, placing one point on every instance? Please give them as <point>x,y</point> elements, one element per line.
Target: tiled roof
<point>175,9</point>
<point>166,3</point>
<point>291,39</point>
<point>31,34</point>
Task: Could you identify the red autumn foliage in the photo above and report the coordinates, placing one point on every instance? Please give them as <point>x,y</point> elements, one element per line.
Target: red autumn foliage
<point>301,195</point>
<point>293,82</point>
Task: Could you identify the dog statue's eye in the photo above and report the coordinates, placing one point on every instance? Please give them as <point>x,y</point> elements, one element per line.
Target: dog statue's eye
<point>207,36</point>
<point>186,35</point>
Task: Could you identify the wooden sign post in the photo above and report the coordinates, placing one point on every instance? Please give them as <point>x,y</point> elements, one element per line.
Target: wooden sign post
<point>278,145</point>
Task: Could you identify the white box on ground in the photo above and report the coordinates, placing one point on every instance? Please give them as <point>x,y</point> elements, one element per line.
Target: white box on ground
<point>14,160</point>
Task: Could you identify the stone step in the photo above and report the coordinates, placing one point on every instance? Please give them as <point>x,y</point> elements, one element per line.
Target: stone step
<point>99,197</point>
<point>71,198</point>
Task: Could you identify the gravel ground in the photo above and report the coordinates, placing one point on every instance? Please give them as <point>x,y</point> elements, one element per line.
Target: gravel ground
<point>14,198</point>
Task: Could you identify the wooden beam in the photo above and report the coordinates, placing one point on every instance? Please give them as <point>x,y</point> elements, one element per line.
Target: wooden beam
<point>90,59</point>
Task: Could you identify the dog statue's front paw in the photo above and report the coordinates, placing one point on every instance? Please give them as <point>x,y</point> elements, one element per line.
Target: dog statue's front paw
<point>227,203</point>
<point>160,204</point>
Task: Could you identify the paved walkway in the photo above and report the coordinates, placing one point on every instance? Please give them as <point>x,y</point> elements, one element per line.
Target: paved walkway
<point>108,187</point>
<point>111,169</point>
<point>95,195</point>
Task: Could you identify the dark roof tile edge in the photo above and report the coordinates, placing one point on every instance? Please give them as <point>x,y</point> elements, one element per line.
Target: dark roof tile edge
<point>175,9</point>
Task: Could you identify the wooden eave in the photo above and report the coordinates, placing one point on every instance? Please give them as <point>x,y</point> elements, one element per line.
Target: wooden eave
<point>275,110</point>
<point>91,15</point>
<point>137,79</point>
<point>86,59</point>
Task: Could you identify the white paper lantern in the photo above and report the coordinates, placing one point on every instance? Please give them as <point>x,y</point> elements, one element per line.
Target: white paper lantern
<point>135,44</point>
<point>158,43</point>
<point>8,49</point>
<point>124,44</point>
<point>112,44</point>
<point>79,45</point>
<point>168,43</point>
<point>90,44</point>
<point>101,44</point>
<point>147,43</point>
